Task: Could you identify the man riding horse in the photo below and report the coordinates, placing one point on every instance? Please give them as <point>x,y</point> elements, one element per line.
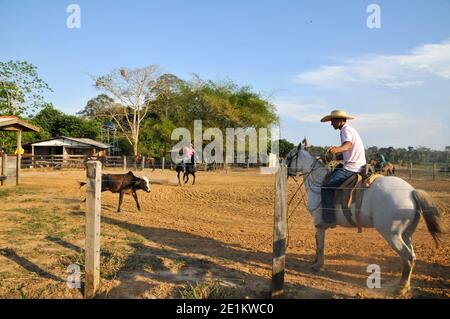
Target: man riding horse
<point>381,161</point>
<point>354,157</point>
<point>188,152</point>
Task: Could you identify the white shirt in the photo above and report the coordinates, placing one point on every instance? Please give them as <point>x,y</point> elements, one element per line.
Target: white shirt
<point>354,158</point>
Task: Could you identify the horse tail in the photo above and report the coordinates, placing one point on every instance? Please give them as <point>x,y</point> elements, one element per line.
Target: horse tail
<point>393,169</point>
<point>430,213</point>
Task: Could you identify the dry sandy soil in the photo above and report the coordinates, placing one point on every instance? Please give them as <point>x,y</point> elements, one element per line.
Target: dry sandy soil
<point>212,239</point>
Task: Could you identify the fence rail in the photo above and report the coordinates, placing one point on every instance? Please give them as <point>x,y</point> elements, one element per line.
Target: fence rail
<point>437,171</point>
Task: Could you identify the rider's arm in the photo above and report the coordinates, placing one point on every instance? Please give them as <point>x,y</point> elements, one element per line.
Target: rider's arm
<point>340,149</point>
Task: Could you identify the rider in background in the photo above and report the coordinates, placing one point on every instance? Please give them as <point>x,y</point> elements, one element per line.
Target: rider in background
<point>381,160</point>
<point>188,151</point>
<point>353,152</point>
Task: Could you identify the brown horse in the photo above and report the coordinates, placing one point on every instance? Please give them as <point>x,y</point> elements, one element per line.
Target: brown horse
<point>388,167</point>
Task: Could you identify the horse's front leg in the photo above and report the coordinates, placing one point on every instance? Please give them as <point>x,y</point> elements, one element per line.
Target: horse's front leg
<point>320,245</point>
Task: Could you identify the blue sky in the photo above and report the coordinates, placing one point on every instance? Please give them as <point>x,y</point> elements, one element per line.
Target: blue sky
<point>309,57</point>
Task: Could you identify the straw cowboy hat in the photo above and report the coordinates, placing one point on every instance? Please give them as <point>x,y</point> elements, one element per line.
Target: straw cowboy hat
<point>337,114</point>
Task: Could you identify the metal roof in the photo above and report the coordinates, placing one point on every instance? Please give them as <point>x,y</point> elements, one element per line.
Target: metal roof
<point>13,123</point>
<point>68,142</point>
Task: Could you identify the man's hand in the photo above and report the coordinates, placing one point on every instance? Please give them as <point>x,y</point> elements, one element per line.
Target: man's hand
<point>343,148</point>
<point>332,150</point>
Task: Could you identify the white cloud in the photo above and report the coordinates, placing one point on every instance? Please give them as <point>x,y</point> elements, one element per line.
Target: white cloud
<point>380,129</point>
<point>393,71</point>
<point>303,111</point>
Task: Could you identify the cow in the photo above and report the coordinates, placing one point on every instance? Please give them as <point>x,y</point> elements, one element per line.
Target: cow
<point>124,183</point>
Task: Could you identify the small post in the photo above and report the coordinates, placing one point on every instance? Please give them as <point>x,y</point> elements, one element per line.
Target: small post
<point>410,170</point>
<point>434,171</point>
<point>33,157</point>
<point>162,162</point>
<point>143,163</point>
<point>124,163</point>
<point>93,208</point>
<point>3,168</point>
<point>279,232</point>
<point>19,156</point>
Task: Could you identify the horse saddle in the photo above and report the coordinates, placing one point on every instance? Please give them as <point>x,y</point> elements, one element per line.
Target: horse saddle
<point>351,193</point>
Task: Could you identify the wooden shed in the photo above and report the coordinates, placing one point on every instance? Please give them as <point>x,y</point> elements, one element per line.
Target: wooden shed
<point>67,146</point>
<point>13,124</point>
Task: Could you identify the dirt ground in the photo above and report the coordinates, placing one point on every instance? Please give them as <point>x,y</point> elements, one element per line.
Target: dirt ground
<point>209,240</point>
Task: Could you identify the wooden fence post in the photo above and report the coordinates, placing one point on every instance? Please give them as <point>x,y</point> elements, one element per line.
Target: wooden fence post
<point>124,163</point>
<point>434,171</point>
<point>410,170</point>
<point>143,163</point>
<point>19,156</point>
<point>279,232</point>
<point>3,168</point>
<point>93,207</point>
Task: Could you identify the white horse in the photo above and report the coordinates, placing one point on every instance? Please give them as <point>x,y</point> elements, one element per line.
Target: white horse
<point>391,206</point>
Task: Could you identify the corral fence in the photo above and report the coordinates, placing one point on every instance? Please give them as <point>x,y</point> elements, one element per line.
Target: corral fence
<point>436,171</point>
<point>125,162</point>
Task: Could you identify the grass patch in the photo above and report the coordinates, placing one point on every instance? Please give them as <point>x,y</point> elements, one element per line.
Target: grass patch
<point>27,191</point>
<point>5,192</point>
<point>135,239</point>
<point>205,291</point>
<point>28,200</point>
<point>40,219</point>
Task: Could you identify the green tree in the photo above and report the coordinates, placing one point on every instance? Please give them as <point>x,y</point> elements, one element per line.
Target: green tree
<point>56,123</point>
<point>284,147</point>
<point>97,108</point>
<point>21,88</point>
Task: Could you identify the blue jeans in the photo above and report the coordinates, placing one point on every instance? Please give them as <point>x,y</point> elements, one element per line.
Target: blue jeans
<point>335,180</point>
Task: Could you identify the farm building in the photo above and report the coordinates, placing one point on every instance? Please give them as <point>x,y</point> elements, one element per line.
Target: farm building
<point>67,146</point>
<point>10,167</point>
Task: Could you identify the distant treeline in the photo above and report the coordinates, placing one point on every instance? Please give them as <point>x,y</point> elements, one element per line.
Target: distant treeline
<point>398,156</point>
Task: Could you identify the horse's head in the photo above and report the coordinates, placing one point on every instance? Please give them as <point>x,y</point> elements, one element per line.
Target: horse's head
<point>296,159</point>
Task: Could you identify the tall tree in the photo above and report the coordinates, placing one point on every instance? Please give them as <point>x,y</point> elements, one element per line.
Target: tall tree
<point>97,107</point>
<point>21,88</point>
<point>132,89</point>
